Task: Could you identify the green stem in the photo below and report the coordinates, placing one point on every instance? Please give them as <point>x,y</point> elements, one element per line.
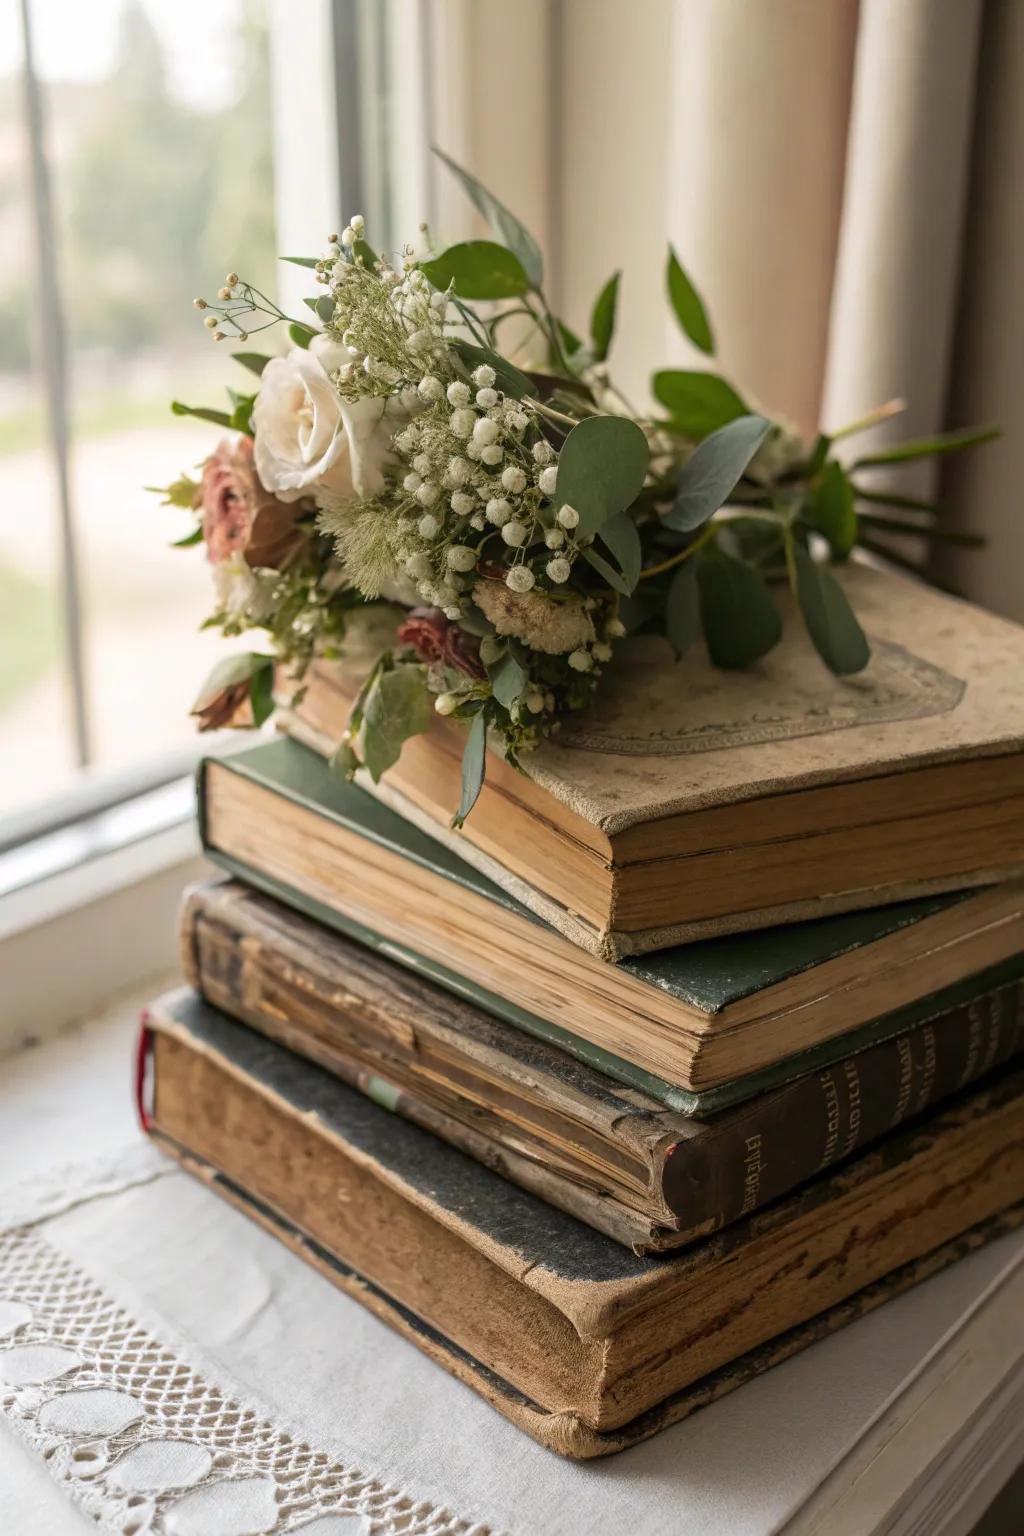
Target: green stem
<point>684,554</point>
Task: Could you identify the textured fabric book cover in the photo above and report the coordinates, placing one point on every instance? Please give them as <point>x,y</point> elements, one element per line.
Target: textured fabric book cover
<point>615,1158</point>
<point>587,1345</point>
<point>632,784</point>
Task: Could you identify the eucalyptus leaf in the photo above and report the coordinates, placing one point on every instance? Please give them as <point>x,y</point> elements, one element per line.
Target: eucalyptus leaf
<point>605,569</point>
<point>506,226</point>
<point>927,447</point>
<point>831,624</point>
<point>474,758</point>
<point>478,269</point>
<point>622,539</point>
<point>738,616</point>
<point>698,402</point>
<point>601,469</point>
<point>682,608</point>
<point>508,378</point>
<point>324,308</point>
<point>254,361</point>
<point>570,341</point>
<point>829,509</point>
<point>398,706</point>
<point>712,472</point>
<point>688,306</point>
<point>302,335</point>
<point>301,261</point>
<point>219,418</point>
<point>261,695</point>
<point>602,318</point>
<point>190,539</point>
<point>508,680</point>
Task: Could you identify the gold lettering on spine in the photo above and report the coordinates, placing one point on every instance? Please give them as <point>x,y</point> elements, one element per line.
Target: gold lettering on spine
<point>928,1067</point>
<point>852,1077</point>
<point>832,1118</point>
<point>906,1056</point>
<point>752,1170</point>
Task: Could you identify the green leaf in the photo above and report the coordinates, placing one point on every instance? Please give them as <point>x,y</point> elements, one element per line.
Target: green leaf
<point>838,638</point>
<point>699,403</point>
<point>474,758</point>
<point>602,318</point>
<point>254,361</point>
<point>366,254</point>
<point>505,224</point>
<point>230,671</point>
<point>712,472</point>
<point>689,308</point>
<point>508,680</point>
<point>570,341</point>
<point>892,499</point>
<point>926,447</point>
<point>829,509</point>
<point>819,453</point>
<point>621,537</point>
<point>261,695</point>
<point>180,492</point>
<point>219,418</point>
<point>875,522</point>
<point>398,706</point>
<point>508,378</point>
<point>324,308</point>
<point>302,261</point>
<point>737,613</point>
<point>241,415</point>
<point>605,569</point>
<point>601,469</point>
<point>478,269</point>
<point>682,608</point>
<point>302,335</point>
<point>195,537</point>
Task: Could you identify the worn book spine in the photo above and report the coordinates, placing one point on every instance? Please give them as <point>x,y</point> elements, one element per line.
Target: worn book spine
<point>521,1106</point>
<point>768,1146</point>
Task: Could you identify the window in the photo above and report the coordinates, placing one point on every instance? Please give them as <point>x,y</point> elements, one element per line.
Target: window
<point>135,162</point>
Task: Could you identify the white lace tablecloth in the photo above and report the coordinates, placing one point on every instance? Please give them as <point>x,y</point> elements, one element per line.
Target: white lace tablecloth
<point>180,1372</point>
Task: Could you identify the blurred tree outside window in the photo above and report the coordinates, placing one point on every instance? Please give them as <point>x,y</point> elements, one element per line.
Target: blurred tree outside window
<point>161,183</point>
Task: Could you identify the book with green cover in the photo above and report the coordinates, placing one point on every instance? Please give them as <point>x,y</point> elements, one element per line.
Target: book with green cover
<point>698,1026</point>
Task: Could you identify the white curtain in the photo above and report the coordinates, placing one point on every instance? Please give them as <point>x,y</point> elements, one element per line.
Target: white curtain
<point>842,180</point>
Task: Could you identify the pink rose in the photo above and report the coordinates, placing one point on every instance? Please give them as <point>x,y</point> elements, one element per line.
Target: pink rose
<point>239,514</point>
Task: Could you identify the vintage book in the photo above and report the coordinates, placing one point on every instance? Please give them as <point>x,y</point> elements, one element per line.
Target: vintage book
<point>693,801</point>
<point>697,1017</point>
<point>585,1344</point>
<point>615,1158</point>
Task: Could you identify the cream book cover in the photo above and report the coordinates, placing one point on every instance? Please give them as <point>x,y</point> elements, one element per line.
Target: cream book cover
<point>691,801</point>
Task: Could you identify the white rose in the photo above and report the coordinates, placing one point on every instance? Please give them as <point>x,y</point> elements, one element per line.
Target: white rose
<point>306,436</point>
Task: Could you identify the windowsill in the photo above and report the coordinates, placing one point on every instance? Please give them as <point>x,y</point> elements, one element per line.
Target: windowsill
<point>105,922</point>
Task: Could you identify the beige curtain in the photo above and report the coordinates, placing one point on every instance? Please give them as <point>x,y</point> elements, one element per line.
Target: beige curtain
<point>843,180</point>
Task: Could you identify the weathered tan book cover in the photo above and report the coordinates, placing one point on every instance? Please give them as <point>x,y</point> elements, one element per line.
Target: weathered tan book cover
<point>584,1343</point>
<point>678,796</point>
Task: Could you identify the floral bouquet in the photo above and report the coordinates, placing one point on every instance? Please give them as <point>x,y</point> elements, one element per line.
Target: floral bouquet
<point>442,453</point>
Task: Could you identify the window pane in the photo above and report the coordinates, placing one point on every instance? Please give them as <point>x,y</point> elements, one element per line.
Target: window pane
<point>159,141</point>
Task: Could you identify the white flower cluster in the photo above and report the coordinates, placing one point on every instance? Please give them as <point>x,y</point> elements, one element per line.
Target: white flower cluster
<point>390,323</point>
<point>478,492</point>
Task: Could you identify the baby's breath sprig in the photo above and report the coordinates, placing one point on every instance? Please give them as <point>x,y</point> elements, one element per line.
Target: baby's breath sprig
<point>235,300</point>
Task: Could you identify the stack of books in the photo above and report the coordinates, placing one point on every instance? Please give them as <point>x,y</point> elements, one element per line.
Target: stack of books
<point>698,1042</point>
